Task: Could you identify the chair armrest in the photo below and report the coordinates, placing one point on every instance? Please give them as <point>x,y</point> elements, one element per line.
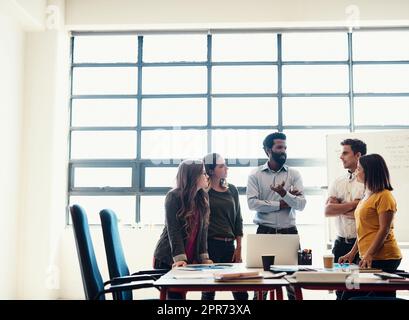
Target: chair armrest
<point>154,276</point>
<point>124,287</point>
<point>156,271</point>
<point>127,279</point>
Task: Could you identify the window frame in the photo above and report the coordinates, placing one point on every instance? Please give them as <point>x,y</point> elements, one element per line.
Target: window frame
<point>139,164</point>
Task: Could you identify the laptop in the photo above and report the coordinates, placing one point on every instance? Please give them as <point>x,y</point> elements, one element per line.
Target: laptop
<point>283,246</point>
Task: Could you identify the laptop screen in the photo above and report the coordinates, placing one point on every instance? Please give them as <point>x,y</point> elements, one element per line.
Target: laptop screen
<point>283,246</point>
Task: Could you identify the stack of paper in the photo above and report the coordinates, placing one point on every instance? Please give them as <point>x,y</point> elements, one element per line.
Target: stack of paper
<point>238,276</point>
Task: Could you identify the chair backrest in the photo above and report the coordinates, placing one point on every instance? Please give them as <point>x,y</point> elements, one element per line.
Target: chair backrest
<point>91,276</point>
<point>114,252</point>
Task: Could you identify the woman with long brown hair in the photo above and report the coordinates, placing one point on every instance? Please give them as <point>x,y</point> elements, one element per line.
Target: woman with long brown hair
<point>374,215</point>
<point>184,237</point>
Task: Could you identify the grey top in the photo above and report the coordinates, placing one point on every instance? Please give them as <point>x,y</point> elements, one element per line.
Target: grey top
<point>266,202</point>
<point>171,245</point>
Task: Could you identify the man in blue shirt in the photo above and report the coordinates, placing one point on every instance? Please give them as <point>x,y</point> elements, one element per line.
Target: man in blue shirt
<point>275,191</point>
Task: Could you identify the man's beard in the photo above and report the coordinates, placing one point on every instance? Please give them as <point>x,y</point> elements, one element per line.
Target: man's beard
<point>279,158</point>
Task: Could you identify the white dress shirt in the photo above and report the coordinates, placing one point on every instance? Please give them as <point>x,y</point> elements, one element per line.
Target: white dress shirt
<point>346,189</point>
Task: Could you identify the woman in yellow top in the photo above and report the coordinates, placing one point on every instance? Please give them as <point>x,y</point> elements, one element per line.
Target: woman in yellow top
<point>374,215</point>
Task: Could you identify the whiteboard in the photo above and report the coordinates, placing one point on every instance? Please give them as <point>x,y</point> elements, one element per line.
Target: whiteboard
<point>393,146</point>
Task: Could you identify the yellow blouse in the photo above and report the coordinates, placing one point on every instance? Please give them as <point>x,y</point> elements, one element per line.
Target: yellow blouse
<point>367,223</point>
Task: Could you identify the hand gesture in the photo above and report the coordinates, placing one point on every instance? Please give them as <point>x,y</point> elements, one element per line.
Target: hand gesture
<point>333,200</point>
<point>279,189</point>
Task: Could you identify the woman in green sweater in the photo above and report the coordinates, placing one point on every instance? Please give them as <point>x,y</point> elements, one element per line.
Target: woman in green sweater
<point>225,223</point>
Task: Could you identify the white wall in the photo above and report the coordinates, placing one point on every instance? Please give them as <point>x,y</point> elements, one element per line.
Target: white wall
<point>34,10</point>
<point>151,14</point>
<point>11,88</point>
<point>34,124</point>
<point>28,14</point>
<point>45,171</point>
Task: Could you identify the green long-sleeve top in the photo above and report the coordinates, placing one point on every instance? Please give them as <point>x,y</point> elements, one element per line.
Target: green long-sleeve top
<point>225,215</point>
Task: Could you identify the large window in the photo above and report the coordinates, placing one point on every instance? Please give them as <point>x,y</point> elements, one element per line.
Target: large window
<point>142,103</point>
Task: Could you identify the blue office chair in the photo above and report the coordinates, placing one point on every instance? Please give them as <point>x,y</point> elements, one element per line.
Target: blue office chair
<point>94,287</point>
<point>117,265</point>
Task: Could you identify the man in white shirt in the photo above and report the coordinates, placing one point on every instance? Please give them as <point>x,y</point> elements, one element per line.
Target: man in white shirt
<point>343,197</point>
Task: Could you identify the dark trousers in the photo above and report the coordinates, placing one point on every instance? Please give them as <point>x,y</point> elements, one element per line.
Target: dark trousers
<point>222,252</point>
<point>342,247</point>
<point>387,266</point>
<point>170,295</point>
<point>268,230</point>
